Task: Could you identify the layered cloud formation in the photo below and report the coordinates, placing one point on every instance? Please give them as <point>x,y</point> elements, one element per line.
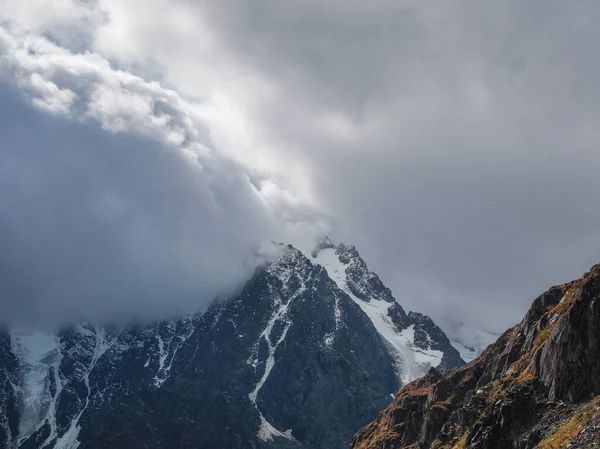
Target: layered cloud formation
<point>158,142</point>
<point>117,201</point>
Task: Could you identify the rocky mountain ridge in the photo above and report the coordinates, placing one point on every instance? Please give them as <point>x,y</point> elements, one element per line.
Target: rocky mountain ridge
<point>538,386</point>
<point>413,340</point>
<point>295,358</point>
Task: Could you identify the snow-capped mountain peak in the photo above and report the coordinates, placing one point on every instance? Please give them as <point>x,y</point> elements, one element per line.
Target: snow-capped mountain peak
<point>414,341</point>
<point>350,271</point>
<point>300,356</point>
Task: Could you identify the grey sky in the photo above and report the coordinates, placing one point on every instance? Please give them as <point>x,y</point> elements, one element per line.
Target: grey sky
<point>112,226</point>
<point>455,143</point>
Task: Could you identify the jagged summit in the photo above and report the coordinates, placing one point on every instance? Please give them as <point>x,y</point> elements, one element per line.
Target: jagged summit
<point>537,386</point>
<point>349,270</point>
<point>300,356</point>
<point>413,339</point>
<point>323,243</point>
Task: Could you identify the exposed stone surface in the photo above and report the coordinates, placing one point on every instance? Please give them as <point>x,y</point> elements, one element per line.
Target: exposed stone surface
<point>537,386</point>
<point>290,360</point>
<point>414,341</point>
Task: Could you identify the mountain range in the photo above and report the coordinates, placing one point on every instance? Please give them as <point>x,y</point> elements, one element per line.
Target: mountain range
<point>302,355</point>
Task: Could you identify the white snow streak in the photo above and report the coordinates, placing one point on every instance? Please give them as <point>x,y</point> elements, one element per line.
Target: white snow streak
<point>175,343</point>
<point>40,385</point>
<point>337,315</point>
<point>39,355</point>
<point>162,357</point>
<point>101,344</point>
<point>413,362</point>
<point>336,271</point>
<point>279,313</point>
<point>267,431</point>
<point>337,312</point>
<point>39,358</point>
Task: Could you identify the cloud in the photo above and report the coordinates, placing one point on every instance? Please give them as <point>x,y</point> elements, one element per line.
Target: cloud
<point>454,143</point>
<point>116,206</point>
<point>115,226</point>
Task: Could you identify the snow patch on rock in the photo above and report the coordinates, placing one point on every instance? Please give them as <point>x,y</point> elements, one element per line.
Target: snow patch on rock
<point>39,357</point>
<point>413,362</point>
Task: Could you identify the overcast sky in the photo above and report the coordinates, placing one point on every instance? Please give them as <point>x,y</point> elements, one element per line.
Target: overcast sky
<point>148,148</point>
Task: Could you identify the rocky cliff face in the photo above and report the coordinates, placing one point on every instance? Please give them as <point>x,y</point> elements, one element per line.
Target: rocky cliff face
<point>537,386</point>
<point>413,340</point>
<point>295,358</point>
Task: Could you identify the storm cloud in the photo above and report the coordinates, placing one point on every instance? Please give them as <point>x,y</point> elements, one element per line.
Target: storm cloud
<point>455,143</point>
<point>114,226</point>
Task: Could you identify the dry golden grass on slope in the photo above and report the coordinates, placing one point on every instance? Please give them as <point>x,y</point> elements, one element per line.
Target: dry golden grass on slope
<point>462,441</point>
<point>424,391</point>
<point>542,337</point>
<point>570,429</point>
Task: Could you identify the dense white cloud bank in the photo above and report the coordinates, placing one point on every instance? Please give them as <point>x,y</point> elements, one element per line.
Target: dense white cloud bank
<point>456,143</point>
<point>117,203</point>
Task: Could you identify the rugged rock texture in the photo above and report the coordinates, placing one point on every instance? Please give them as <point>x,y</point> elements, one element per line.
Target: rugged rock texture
<point>290,360</point>
<point>316,386</point>
<point>9,416</point>
<point>537,386</point>
<point>413,340</point>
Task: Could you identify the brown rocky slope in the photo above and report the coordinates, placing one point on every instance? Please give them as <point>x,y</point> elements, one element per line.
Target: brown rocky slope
<point>537,386</point>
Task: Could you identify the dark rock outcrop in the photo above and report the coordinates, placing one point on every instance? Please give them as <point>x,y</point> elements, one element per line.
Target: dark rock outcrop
<point>537,386</point>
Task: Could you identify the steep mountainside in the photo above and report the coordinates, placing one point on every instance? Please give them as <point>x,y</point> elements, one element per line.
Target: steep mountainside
<point>537,386</point>
<point>296,358</point>
<point>413,340</point>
